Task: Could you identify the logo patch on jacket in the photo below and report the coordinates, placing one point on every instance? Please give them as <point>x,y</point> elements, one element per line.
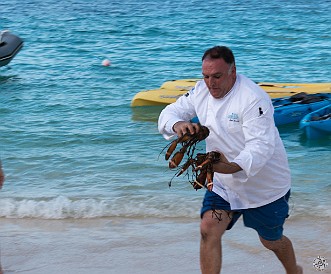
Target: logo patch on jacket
<point>233,117</point>
<point>189,92</point>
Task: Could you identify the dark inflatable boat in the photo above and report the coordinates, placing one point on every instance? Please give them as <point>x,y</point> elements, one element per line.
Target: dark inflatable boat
<point>10,45</point>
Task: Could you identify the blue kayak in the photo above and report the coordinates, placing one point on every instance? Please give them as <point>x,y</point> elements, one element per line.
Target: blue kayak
<point>317,124</point>
<point>292,109</point>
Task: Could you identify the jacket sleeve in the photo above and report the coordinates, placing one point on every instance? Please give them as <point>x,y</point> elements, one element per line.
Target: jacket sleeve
<point>181,110</point>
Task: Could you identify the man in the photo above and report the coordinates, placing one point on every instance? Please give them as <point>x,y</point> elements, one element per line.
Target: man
<point>253,178</point>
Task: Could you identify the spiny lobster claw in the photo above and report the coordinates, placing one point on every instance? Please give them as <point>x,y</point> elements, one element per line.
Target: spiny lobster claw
<point>178,157</point>
<point>171,149</point>
<point>174,144</point>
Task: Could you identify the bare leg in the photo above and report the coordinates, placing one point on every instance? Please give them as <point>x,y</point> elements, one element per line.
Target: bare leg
<point>284,251</point>
<point>212,229</point>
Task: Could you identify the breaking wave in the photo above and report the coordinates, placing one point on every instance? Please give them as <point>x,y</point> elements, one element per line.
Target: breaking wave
<point>62,207</point>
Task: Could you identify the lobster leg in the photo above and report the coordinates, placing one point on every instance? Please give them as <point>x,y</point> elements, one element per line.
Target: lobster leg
<point>185,167</point>
<point>203,164</point>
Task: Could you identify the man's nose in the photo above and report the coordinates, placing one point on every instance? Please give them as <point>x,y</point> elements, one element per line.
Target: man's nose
<point>211,82</point>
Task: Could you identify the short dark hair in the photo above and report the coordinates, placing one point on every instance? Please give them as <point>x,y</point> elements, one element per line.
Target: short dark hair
<point>220,52</point>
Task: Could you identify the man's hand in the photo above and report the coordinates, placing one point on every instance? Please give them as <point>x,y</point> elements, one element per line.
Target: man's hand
<point>183,127</point>
<point>224,166</point>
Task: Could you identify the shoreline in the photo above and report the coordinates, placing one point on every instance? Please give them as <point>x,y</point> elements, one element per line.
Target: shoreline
<point>121,245</point>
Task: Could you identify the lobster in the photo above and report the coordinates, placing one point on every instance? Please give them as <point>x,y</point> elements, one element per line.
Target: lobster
<point>206,175</point>
<point>201,164</point>
<point>188,142</point>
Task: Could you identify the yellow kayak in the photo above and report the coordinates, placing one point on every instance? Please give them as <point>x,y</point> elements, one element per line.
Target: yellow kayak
<point>170,91</point>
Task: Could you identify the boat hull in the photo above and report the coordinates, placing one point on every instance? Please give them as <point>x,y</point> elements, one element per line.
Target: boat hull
<point>170,91</point>
<point>288,111</point>
<point>314,125</point>
<point>10,45</point>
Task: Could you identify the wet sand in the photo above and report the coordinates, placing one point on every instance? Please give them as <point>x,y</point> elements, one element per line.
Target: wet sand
<point>145,246</point>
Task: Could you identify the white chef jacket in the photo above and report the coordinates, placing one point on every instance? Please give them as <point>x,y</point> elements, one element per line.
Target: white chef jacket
<point>241,126</point>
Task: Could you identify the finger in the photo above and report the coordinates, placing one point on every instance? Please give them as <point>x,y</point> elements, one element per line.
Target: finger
<point>181,128</point>
<point>186,127</point>
<point>191,128</point>
<point>177,127</point>
<point>195,128</point>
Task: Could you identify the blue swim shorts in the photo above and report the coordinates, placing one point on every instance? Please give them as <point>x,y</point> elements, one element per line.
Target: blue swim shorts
<point>267,220</point>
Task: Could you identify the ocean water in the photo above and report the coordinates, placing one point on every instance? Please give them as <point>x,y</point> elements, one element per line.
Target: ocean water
<point>72,147</point>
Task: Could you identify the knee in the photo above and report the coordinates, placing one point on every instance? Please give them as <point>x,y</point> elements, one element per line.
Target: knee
<point>267,244</point>
<point>205,230</point>
<point>271,245</point>
<point>211,227</point>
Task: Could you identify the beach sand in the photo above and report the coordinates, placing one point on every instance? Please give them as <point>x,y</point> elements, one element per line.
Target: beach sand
<point>145,246</point>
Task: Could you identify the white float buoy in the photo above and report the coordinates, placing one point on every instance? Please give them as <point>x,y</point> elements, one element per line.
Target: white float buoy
<point>106,63</point>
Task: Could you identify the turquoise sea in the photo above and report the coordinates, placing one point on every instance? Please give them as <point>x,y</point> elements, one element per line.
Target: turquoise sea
<point>73,149</point>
